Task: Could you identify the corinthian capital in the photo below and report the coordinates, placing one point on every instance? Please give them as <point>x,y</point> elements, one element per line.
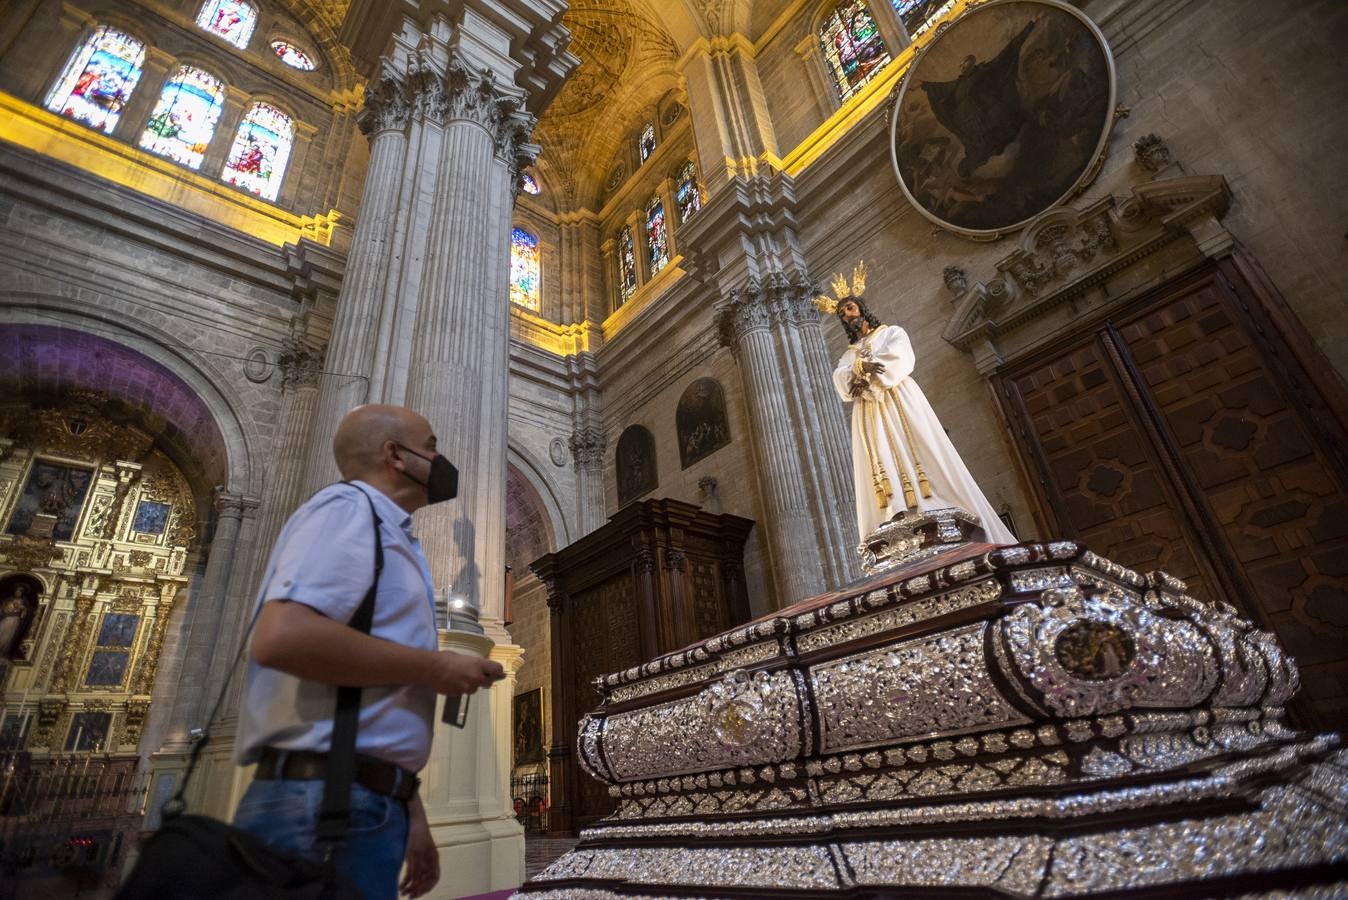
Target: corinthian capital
<point>388,103</point>
<point>587,448</point>
<point>772,301</point>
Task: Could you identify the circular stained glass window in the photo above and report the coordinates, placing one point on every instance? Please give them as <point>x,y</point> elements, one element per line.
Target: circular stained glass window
<point>293,56</point>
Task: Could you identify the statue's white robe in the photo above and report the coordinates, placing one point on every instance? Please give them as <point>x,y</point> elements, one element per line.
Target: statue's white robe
<point>878,436</point>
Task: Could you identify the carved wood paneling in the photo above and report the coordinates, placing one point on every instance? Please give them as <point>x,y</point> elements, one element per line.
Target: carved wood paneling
<point>1185,436</point>
<point>660,575</point>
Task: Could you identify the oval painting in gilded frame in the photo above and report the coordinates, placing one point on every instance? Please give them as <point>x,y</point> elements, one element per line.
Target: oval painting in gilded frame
<point>1003,115</point>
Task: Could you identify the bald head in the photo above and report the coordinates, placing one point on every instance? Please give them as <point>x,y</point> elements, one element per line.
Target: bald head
<point>359,444</point>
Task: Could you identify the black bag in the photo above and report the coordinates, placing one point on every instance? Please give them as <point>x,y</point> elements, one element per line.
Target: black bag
<point>198,858</point>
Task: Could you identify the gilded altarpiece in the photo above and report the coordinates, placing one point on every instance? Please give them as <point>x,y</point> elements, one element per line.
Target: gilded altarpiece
<point>101,526</point>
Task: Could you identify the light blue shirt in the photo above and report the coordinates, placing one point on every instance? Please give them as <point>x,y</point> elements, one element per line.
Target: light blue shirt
<point>324,558</point>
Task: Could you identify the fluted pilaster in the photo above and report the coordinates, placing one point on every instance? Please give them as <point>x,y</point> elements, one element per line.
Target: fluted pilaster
<point>588,448</point>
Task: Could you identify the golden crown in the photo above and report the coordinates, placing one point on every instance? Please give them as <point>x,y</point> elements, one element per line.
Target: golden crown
<point>841,290</point>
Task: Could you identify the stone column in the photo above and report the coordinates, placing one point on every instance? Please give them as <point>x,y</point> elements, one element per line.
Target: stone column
<point>202,642</point>
<point>423,321</point>
<point>153,74</point>
<point>226,127</point>
<point>588,446</point>
<point>355,327</point>
<point>731,122</point>
<point>612,297</point>
<point>465,784</point>
<point>582,278</point>
<point>797,430</point>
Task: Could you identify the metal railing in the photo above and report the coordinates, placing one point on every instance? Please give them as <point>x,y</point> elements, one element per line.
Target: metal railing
<point>66,822</point>
<point>529,793</point>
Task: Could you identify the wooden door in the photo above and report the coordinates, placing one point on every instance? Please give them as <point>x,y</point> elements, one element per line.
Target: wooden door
<point>1187,436</point>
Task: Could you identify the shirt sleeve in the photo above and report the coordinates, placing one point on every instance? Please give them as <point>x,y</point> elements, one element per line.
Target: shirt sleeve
<point>325,557</point>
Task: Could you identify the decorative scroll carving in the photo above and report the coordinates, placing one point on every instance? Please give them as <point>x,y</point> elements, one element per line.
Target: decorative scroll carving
<point>27,554</point>
<point>72,652</point>
<point>588,446</point>
<point>1152,153</point>
<point>1066,252</point>
<point>147,664</point>
<point>300,362</point>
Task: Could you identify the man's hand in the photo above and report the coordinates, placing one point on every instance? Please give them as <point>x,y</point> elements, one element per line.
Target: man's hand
<point>459,674</point>
<point>423,860</point>
<point>857,386</point>
<point>871,367</point>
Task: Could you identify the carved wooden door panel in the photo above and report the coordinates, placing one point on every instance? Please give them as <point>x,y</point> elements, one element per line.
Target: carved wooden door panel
<point>1185,437</point>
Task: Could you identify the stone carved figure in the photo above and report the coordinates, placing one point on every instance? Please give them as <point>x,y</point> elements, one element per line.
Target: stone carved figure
<point>901,456</point>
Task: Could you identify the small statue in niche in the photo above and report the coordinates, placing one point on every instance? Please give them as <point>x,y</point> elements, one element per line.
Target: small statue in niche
<point>17,609</point>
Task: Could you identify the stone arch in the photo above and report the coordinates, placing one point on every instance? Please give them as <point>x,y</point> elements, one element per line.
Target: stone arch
<point>520,465</point>
<point>192,401</point>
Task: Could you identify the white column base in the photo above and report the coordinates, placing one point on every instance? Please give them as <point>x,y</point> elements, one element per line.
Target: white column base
<point>478,857</point>
<point>465,785</point>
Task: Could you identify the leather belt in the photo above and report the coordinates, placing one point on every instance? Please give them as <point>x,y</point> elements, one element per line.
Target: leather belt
<point>376,774</point>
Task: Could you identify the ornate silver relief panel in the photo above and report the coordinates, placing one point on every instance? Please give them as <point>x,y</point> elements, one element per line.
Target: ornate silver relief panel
<point>920,688</point>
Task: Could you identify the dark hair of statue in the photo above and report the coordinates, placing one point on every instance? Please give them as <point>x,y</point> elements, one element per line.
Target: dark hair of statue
<point>854,330</point>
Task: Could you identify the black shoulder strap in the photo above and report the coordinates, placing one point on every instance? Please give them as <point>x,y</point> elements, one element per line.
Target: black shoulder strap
<point>344,721</point>
<point>335,814</point>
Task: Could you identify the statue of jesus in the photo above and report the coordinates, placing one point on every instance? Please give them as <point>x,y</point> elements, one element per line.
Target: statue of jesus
<point>901,456</point>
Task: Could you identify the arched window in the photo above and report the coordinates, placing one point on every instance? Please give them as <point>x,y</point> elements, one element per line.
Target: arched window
<point>99,79</point>
<point>647,142</point>
<point>657,235</point>
<point>627,266</point>
<point>852,46</point>
<point>686,194</point>
<point>257,161</point>
<point>232,20</point>
<point>919,15</point>
<point>530,183</point>
<point>524,269</point>
<point>293,56</point>
<point>184,119</point>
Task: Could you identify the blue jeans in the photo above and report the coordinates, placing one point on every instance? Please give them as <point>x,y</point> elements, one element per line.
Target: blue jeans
<point>285,815</point>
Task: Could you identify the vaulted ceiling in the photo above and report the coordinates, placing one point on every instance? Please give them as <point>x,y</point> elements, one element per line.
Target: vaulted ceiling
<point>626,64</point>
<point>628,50</point>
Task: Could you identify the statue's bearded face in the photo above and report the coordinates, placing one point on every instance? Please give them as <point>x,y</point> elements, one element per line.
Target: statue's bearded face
<point>856,319</point>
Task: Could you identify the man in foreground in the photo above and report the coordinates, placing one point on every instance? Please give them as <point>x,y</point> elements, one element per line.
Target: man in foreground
<point>302,649</point>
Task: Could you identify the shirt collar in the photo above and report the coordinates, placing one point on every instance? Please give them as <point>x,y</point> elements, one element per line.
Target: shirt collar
<point>388,510</point>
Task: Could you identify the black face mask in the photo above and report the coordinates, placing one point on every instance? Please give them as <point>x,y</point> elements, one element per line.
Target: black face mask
<point>443,483</point>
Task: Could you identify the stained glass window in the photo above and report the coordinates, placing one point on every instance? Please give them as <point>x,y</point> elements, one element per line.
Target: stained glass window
<point>292,56</point>
<point>647,142</point>
<point>232,20</point>
<point>657,235</point>
<point>919,15</point>
<point>184,119</point>
<point>852,46</point>
<point>686,194</point>
<point>99,79</point>
<point>524,269</point>
<point>257,161</point>
<point>530,185</point>
<point>627,266</point>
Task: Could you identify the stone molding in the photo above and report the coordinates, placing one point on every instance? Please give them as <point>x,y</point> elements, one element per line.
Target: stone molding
<point>774,300</point>
<point>1066,253</point>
